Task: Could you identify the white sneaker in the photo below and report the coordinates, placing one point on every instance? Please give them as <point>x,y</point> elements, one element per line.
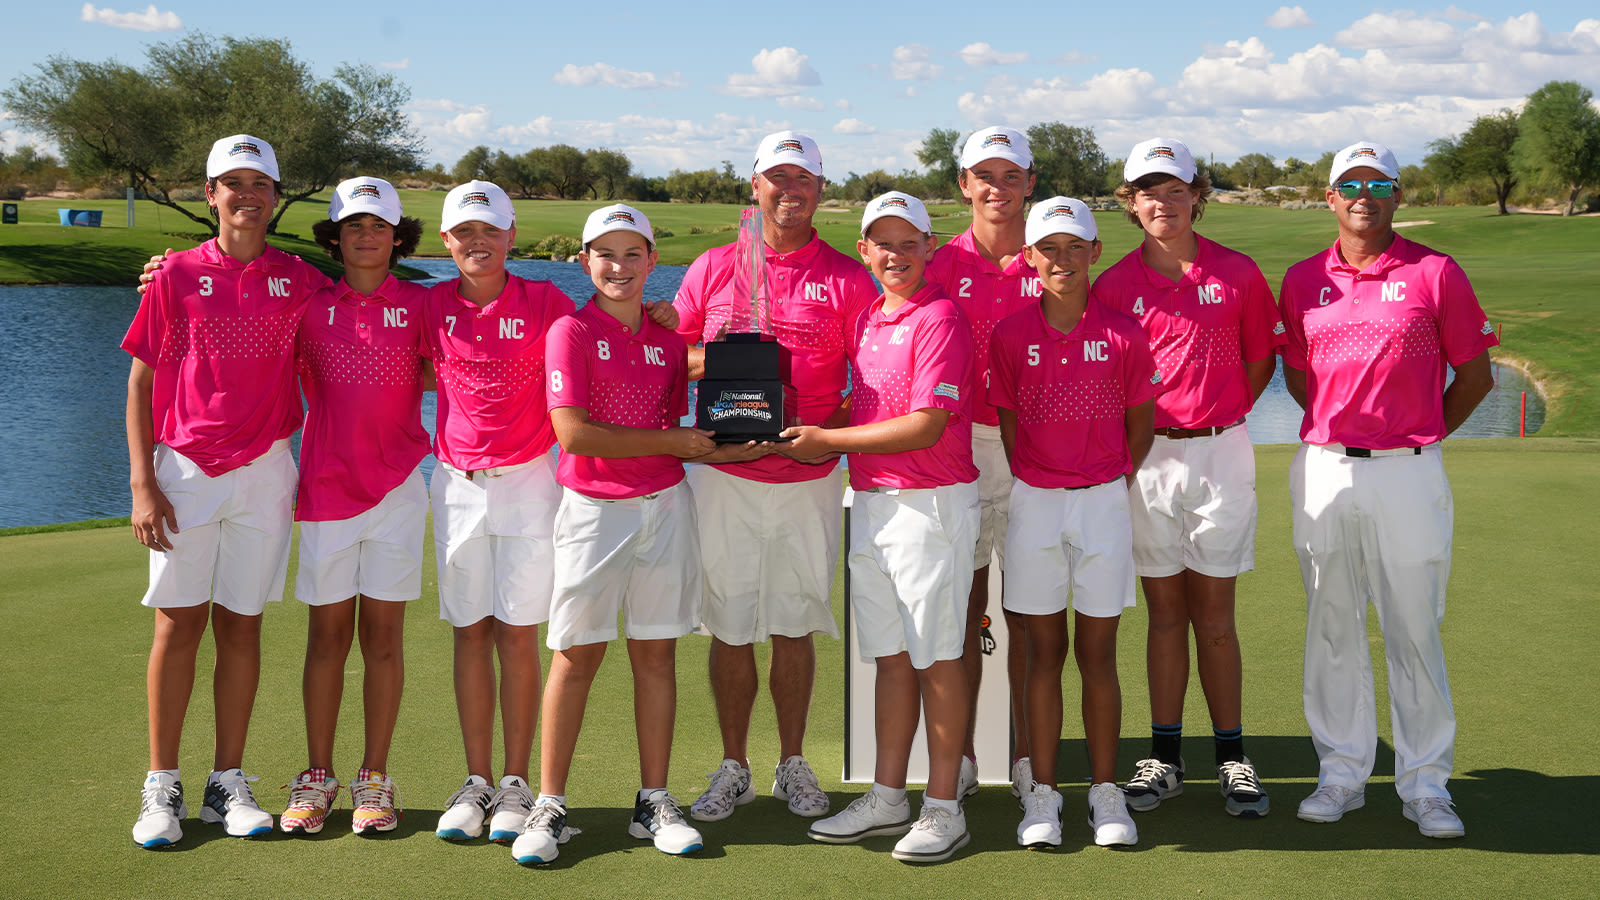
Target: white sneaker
<point>937,834</point>
<point>869,814</point>
<point>1330,802</point>
<point>967,779</point>
<point>1152,782</point>
<point>462,819</point>
<point>1041,818</point>
<point>796,783</point>
<point>1021,777</point>
<point>230,803</point>
<point>160,810</point>
<point>1109,816</point>
<point>658,818</point>
<point>543,833</point>
<point>730,787</point>
<point>509,808</point>
<point>1434,817</point>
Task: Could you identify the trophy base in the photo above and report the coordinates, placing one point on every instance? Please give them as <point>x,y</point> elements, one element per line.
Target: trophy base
<point>740,410</point>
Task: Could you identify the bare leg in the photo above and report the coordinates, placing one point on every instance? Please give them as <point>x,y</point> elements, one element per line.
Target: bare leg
<point>1216,639</point>
<point>896,709</point>
<point>384,676</point>
<point>972,653</point>
<point>565,698</point>
<point>1017,677</point>
<point>791,678</point>
<point>1102,693</point>
<point>655,706</point>
<point>474,682</point>
<point>943,688</point>
<point>234,682</point>
<point>328,635</point>
<point>518,647</point>
<point>1167,647</point>
<point>733,687</point>
<point>169,678</point>
<point>1047,655</point>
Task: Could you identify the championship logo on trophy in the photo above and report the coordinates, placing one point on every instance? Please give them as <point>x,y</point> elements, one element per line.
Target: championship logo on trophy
<point>741,396</point>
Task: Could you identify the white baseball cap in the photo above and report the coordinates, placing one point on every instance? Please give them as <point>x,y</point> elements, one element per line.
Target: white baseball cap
<point>1060,215</point>
<point>996,142</point>
<point>617,217</point>
<point>362,194</point>
<point>1164,155</point>
<point>477,201</point>
<point>897,204</point>
<point>1363,153</point>
<point>788,148</point>
<point>242,151</point>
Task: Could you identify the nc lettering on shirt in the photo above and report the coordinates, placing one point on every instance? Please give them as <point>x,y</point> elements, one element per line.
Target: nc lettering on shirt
<point>1096,351</point>
<point>394,317</point>
<point>654,356</point>
<point>899,335</point>
<point>1032,287</point>
<point>1208,293</point>
<point>1394,292</point>
<point>511,329</point>
<point>816,291</point>
<point>279,287</point>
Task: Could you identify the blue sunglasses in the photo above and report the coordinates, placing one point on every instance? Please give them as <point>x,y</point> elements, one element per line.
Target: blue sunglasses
<point>1379,188</point>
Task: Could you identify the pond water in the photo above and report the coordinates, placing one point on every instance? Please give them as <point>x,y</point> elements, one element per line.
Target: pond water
<point>64,376</point>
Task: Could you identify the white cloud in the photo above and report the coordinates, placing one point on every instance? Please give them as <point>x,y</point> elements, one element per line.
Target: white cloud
<point>853,126</point>
<point>842,104</point>
<point>1402,30</point>
<point>1112,93</point>
<point>151,19</point>
<point>610,76</point>
<point>800,101</point>
<point>1074,58</point>
<point>397,64</point>
<point>912,62</point>
<point>781,72</point>
<point>1290,17</point>
<point>981,54</point>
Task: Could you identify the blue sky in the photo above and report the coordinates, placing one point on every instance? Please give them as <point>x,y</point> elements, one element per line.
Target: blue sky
<point>675,88</point>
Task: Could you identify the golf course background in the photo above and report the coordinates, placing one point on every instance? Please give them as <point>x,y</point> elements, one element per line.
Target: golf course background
<point>1520,631</point>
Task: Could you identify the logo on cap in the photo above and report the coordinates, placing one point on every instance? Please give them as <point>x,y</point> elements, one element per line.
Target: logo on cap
<point>1367,152</point>
<point>1160,153</point>
<point>244,147</point>
<point>994,139</point>
<point>1061,210</point>
<point>365,190</point>
<point>476,197</point>
<point>790,145</point>
<point>619,216</point>
<point>892,202</point>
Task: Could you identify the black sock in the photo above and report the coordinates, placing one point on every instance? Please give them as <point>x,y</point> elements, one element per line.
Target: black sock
<point>1166,743</point>
<point>1230,744</point>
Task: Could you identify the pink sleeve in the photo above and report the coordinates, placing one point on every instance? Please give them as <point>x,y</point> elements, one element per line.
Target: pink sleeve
<point>1261,332</point>
<point>943,355</point>
<point>690,301</point>
<point>1294,347</point>
<point>859,293</point>
<point>1141,380</point>
<point>143,340</point>
<point>1464,328</point>
<point>566,365</point>
<point>1002,378</point>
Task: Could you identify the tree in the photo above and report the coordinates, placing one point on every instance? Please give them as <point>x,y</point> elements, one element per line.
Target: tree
<point>1255,170</point>
<point>1559,139</point>
<point>938,155</point>
<point>1068,160</point>
<point>694,187</point>
<point>568,177</point>
<point>473,165</point>
<point>607,172</point>
<point>1483,151</point>
<point>153,125</point>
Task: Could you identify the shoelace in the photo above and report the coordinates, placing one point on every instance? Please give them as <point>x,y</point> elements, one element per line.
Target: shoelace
<point>480,795</point>
<point>798,775</point>
<point>726,780</point>
<point>1150,770</point>
<point>666,811</point>
<point>155,798</point>
<point>237,787</point>
<point>371,792</point>
<point>933,818</point>
<point>1108,802</point>
<point>516,793</point>
<point>1240,778</point>
<point>542,816</point>
<point>1038,803</point>
<point>1425,805</point>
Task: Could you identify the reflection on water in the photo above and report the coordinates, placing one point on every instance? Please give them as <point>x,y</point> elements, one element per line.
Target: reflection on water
<point>65,388</point>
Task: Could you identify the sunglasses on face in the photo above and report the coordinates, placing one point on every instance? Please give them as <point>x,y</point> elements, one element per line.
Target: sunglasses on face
<point>1379,188</point>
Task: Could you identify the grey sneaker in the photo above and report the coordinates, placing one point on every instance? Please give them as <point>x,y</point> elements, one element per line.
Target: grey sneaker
<point>730,788</point>
<point>1021,777</point>
<point>1041,818</point>
<point>1242,789</point>
<point>1330,802</point>
<point>1434,817</point>
<point>796,783</point>
<point>967,779</point>
<point>1152,782</point>
<point>160,810</point>
<point>869,814</point>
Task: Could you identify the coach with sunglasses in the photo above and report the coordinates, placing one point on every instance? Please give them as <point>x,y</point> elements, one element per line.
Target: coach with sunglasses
<point>1372,324</point>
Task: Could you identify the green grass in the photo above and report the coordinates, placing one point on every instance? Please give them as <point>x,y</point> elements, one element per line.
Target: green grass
<point>1521,635</point>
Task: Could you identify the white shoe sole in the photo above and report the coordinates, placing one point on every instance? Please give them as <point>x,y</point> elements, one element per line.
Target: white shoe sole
<point>932,856</point>
<point>895,828</point>
<point>738,801</point>
<point>1330,818</point>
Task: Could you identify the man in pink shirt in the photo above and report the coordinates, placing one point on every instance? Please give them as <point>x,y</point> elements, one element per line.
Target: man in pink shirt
<point>1074,383</point>
<point>1214,329</point>
<point>1373,323</point>
<point>983,271</point>
<point>494,497</point>
<point>211,405</point>
<point>362,504</point>
<point>769,528</point>
<point>913,526</point>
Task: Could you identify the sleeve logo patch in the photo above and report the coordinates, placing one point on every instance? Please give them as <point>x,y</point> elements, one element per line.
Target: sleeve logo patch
<point>1278,328</point>
<point>1156,378</point>
<point>1487,328</point>
<point>946,389</point>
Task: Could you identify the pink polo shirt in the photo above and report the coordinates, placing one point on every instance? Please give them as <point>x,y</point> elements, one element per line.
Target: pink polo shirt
<point>1202,329</point>
<point>987,294</point>
<point>219,334</point>
<point>817,294</point>
<point>489,364</point>
<point>360,359</point>
<point>1071,393</point>
<point>917,357</point>
<point>1374,343</point>
<point>634,380</point>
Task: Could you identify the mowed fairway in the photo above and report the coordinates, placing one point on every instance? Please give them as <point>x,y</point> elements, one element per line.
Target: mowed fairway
<point>1521,634</point>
